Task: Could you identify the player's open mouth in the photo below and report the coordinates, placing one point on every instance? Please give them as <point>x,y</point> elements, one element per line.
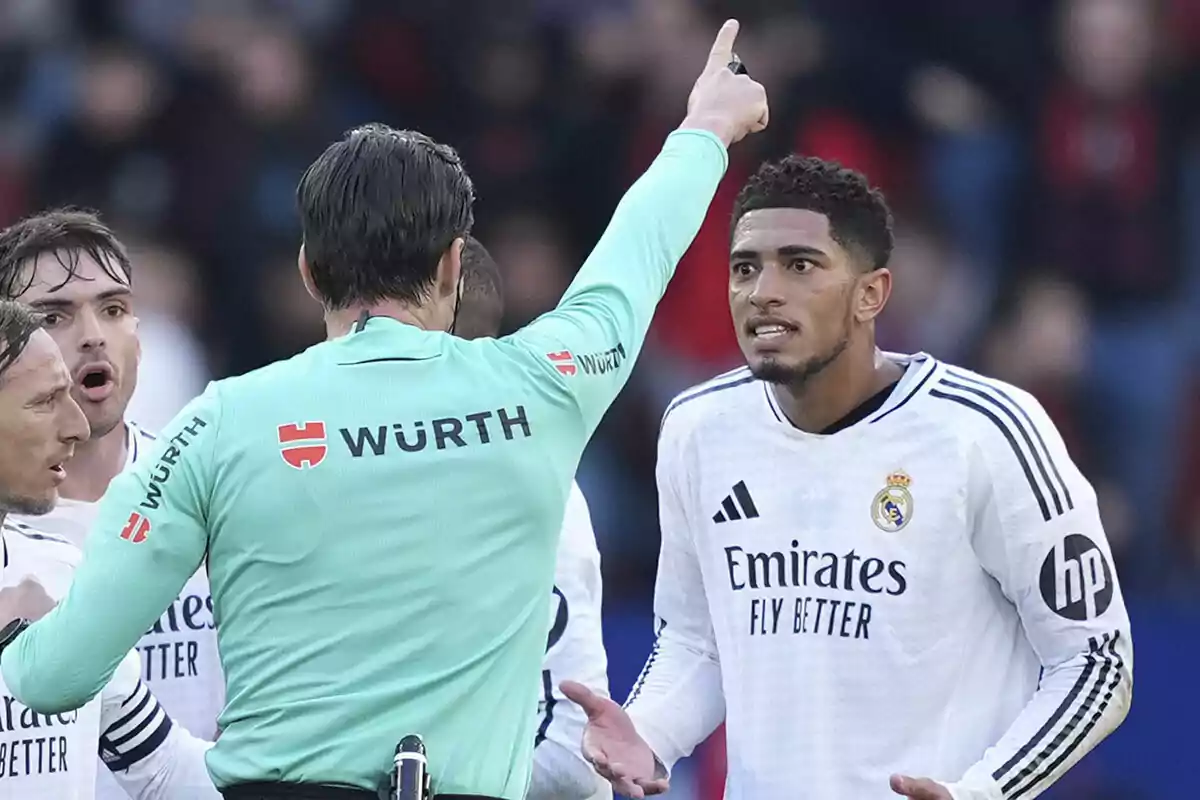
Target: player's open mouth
<point>769,330</point>
<point>59,472</point>
<point>95,381</point>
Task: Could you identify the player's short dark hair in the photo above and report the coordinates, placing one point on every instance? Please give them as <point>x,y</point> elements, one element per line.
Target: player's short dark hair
<point>66,233</point>
<point>18,322</point>
<point>378,209</point>
<point>859,218</point>
<point>482,303</point>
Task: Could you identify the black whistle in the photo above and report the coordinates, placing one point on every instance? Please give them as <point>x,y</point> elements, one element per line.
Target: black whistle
<point>410,772</point>
<point>736,66</point>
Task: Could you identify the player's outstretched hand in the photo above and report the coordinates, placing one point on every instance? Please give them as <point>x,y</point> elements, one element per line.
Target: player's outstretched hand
<point>919,788</point>
<point>612,745</point>
<point>729,105</point>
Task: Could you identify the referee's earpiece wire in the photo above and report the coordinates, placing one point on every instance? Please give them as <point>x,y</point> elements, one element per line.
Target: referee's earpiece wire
<point>361,325</point>
<point>457,301</point>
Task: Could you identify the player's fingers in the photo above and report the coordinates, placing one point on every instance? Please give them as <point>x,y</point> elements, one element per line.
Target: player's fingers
<point>630,790</point>
<point>654,787</point>
<point>591,703</point>
<point>623,784</point>
<point>722,48</point>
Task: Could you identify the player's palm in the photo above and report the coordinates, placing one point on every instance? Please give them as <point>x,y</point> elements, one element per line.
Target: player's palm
<point>612,745</point>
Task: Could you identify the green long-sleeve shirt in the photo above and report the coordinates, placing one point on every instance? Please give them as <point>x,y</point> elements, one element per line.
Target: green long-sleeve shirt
<point>379,515</point>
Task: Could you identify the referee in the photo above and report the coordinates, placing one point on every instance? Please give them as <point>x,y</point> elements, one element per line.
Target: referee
<point>380,513</point>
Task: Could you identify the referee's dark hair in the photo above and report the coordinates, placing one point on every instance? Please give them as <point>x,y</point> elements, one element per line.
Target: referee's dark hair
<point>482,307</point>
<point>67,234</point>
<point>18,322</point>
<point>859,218</point>
<point>378,209</point>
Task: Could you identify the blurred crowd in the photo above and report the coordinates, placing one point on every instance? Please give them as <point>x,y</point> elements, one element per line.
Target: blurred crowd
<point>1042,158</point>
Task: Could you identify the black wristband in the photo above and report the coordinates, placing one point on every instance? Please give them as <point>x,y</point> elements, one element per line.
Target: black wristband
<point>11,631</point>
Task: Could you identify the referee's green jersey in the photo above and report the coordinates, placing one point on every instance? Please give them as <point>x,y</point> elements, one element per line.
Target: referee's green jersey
<point>379,517</point>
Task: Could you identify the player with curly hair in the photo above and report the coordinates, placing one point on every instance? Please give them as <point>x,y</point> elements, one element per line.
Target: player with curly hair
<point>873,565</point>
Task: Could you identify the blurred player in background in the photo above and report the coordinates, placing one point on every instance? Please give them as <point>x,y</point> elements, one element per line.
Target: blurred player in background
<point>71,268</point>
<point>55,755</point>
<point>873,565</point>
<point>575,646</point>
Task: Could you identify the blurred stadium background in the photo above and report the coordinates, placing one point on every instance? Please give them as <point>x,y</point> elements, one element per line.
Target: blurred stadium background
<point>1043,159</point>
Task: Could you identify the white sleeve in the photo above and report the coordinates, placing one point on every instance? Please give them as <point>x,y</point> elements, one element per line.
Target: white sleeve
<point>151,757</point>
<point>1037,531</point>
<point>574,651</point>
<point>677,701</point>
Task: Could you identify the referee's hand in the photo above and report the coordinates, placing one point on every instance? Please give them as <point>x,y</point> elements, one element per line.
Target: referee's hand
<point>729,105</point>
<point>919,788</point>
<point>613,747</point>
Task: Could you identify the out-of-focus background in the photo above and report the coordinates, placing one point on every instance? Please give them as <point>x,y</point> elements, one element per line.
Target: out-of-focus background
<point>1043,160</point>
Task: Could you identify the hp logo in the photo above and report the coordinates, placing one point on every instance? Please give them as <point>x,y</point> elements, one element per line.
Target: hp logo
<point>1076,580</point>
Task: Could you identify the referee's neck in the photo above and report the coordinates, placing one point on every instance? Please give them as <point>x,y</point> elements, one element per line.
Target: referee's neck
<point>342,321</point>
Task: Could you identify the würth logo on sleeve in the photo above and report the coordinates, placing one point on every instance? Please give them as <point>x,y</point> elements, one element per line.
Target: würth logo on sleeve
<point>302,444</point>
<point>563,361</point>
<point>136,529</point>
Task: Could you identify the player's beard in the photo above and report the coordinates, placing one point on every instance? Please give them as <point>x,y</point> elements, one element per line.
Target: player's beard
<point>29,506</point>
<point>796,376</point>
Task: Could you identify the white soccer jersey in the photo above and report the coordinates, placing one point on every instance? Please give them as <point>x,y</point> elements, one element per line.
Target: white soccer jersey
<point>881,599</point>
<point>55,755</point>
<point>574,651</point>
<point>179,654</point>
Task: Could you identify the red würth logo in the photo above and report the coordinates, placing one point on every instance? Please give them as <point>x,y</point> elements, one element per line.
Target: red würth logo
<point>303,445</point>
<point>136,529</point>
<point>563,361</point>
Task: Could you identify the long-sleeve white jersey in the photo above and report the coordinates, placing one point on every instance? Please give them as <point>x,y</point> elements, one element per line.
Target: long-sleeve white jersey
<point>179,654</point>
<point>574,651</point>
<point>55,755</point>
<point>884,598</point>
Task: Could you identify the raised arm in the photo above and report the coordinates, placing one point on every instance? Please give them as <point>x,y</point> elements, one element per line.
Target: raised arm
<point>586,347</point>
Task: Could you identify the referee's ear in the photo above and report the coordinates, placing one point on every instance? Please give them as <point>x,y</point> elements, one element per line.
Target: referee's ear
<point>871,294</point>
<point>449,271</point>
<point>306,276</point>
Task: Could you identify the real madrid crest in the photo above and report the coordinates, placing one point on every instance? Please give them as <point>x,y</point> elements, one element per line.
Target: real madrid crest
<point>892,508</point>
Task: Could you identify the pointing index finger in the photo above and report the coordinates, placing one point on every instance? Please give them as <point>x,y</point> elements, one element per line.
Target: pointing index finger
<point>722,48</point>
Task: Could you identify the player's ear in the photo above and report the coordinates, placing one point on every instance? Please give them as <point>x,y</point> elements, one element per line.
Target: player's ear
<point>874,289</point>
<point>306,276</point>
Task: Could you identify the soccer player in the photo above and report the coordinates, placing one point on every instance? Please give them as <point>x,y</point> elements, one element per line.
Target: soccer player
<point>873,566</point>
<point>72,269</point>
<point>380,514</point>
<point>575,645</point>
<point>55,755</point>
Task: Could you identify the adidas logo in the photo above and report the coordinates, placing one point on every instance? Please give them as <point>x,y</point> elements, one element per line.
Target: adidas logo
<point>737,505</point>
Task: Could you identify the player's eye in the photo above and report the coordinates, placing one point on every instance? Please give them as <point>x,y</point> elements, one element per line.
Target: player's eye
<point>48,401</point>
<point>742,269</point>
<point>115,310</point>
<point>801,264</point>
